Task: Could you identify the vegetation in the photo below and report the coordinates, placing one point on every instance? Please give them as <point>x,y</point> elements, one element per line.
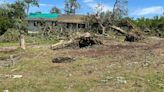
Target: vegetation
<point>151,26</point>
<point>6,20</point>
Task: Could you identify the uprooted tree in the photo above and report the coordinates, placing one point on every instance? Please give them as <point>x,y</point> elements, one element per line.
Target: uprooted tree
<point>81,41</point>
<point>115,20</point>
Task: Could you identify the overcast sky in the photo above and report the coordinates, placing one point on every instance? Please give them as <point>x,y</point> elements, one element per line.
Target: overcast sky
<point>137,8</point>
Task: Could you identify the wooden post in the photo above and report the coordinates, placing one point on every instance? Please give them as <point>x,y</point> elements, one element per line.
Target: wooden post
<point>77,27</point>
<point>22,41</point>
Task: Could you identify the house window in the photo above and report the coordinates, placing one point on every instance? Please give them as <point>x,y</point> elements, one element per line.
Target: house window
<point>35,23</point>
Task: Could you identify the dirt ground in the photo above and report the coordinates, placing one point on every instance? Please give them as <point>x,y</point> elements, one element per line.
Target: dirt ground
<point>112,67</point>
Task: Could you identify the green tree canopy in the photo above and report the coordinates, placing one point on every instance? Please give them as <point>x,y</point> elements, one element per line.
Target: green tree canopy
<point>71,6</point>
<point>55,10</point>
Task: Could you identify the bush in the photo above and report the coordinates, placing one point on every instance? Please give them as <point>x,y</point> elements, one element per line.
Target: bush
<point>11,35</point>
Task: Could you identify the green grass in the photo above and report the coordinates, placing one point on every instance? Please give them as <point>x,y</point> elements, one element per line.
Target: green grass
<point>6,44</point>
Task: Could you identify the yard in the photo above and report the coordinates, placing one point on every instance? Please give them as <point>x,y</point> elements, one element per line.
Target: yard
<point>114,67</point>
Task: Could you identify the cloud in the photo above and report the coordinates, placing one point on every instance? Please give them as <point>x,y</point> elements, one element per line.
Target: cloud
<point>104,6</point>
<point>107,7</point>
<point>93,4</point>
<point>46,5</point>
<point>149,10</point>
<point>88,1</point>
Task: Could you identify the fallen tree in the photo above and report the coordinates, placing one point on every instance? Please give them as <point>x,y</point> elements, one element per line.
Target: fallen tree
<point>133,36</point>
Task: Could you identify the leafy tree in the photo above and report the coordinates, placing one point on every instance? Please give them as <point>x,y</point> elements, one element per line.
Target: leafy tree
<point>6,20</point>
<point>55,10</point>
<point>19,16</point>
<point>71,6</point>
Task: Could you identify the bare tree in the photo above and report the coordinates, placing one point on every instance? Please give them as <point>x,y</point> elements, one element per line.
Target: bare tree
<point>31,2</point>
<point>120,9</point>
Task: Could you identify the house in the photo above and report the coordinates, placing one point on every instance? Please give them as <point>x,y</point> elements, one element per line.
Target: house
<point>72,22</point>
<point>41,21</point>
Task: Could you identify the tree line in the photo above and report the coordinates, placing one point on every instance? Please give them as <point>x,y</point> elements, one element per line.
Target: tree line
<point>151,26</point>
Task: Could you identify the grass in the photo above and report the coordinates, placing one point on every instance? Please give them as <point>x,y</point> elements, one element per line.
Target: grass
<point>6,44</point>
<point>89,72</point>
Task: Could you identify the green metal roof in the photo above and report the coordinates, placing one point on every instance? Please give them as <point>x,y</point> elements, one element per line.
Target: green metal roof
<point>42,15</point>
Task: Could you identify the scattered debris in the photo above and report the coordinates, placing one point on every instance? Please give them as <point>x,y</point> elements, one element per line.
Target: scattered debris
<point>17,76</point>
<point>132,64</point>
<point>104,81</point>
<point>121,80</point>
<point>63,60</point>
<point>11,76</point>
<point>5,90</point>
<point>118,80</point>
<point>161,86</point>
<point>9,60</point>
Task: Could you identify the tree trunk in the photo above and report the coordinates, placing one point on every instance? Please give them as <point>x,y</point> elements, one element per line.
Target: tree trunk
<point>28,7</point>
<point>103,30</point>
<point>118,29</point>
<point>22,41</point>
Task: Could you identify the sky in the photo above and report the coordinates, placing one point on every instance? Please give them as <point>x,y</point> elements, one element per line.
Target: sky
<point>137,8</point>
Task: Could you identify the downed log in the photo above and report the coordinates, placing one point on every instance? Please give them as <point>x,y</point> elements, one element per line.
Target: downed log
<point>118,29</point>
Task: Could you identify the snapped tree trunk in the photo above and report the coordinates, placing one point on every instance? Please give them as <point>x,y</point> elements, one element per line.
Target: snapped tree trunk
<point>103,30</point>
<point>22,41</point>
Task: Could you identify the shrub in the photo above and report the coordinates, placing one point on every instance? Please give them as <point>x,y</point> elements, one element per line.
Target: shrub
<point>11,35</point>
